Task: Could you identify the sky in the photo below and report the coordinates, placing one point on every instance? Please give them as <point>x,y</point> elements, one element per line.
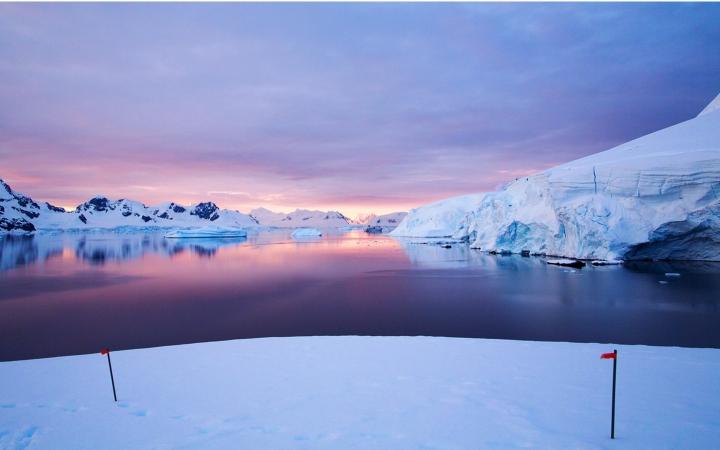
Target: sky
<point>352,107</point>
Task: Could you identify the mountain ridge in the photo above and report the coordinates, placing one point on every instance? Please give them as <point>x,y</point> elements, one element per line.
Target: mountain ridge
<point>19,213</point>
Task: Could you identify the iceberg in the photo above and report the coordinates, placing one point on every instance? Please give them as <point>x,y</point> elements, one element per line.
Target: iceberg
<point>207,232</point>
<point>306,233</point>
<point>656,197</point>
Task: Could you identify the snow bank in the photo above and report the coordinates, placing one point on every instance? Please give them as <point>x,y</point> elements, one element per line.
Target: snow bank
<point>207,232</point>
<point>306,232</point>
<point>364,392</point>
<point>655,197</point>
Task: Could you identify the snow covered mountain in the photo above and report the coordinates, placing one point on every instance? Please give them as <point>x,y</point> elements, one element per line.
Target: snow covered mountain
<point>20,214</point>
<point>381,223</point>
<point>300,218</point>
<point>656,197</point>
<point>390,220</point>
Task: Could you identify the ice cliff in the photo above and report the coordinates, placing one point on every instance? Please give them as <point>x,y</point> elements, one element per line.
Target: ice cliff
<point>656,197</point>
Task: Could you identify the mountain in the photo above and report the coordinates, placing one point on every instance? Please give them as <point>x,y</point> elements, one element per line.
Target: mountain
<point>390,220</point>
<point>655,197</point>
<point>300,218</point>
<point>382,223</point>
<point>20,214</point>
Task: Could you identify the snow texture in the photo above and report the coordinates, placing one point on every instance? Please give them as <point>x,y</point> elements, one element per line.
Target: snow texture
<point>208,232</point>
<point>364,393</point>
<point>656,197</point>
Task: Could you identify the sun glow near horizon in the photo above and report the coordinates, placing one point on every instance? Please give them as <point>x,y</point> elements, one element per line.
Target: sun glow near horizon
<point>360,108</point>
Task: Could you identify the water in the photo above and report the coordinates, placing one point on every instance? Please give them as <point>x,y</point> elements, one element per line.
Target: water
<point>71,293</point>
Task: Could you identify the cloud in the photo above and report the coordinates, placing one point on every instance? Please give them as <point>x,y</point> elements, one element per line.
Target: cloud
<point>333,105</point>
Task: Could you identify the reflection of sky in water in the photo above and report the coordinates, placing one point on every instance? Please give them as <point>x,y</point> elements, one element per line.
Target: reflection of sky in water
<point>69,293</point>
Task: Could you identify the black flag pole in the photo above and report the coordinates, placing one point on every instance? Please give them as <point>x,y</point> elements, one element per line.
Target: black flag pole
<point>612,420</point>
<point>612,356</point>
<point>106,351</point>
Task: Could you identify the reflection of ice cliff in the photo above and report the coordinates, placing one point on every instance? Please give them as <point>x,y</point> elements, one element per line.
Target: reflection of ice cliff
<point>443,254</point>
<point>100,248</point>
<point>455,255</point>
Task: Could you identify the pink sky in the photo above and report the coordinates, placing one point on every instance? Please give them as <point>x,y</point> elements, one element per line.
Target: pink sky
<point>354,107</point>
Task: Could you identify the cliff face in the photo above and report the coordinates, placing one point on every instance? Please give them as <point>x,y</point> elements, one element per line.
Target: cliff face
<point>654,197</point>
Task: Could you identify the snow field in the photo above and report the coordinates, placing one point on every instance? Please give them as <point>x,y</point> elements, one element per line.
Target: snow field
<point>364,392</point>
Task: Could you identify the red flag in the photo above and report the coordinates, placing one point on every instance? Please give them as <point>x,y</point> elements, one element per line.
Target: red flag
<point>608,355</point>
<point>105,351</point>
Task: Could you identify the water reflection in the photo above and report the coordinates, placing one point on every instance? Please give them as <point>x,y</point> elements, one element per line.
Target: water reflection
<point>138,290</point>
<point>101,248</point>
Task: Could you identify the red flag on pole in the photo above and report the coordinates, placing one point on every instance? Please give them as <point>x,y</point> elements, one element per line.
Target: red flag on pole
<point>106,352</point>
<point>612,356</point>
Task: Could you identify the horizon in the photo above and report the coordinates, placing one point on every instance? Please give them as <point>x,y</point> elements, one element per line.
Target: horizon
<point>354,108</point>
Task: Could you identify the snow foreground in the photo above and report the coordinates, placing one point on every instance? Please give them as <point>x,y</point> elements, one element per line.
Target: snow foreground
<point>656,197</point>
<point>364,392</point>
<point>207,232</point>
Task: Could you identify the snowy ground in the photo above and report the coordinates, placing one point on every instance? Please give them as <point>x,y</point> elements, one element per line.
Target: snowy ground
<point>364,393</point>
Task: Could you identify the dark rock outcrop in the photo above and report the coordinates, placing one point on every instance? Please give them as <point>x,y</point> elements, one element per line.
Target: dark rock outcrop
<point>21,225</point>
<point>206,210</point>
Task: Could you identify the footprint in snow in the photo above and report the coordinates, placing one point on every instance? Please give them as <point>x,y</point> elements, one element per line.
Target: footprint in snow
<point>25,438</point>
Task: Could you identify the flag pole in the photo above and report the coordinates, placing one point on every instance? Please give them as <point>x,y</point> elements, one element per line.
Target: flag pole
<point>106,351</point>
<point>612,420</point>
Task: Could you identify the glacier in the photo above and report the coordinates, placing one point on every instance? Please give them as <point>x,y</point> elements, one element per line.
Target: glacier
<point>655,197</point>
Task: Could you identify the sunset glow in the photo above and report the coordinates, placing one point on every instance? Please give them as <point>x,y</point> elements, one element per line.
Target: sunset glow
<point>357,108</point>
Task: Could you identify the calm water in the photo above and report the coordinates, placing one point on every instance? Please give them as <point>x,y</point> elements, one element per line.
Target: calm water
<point>76,293</point>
